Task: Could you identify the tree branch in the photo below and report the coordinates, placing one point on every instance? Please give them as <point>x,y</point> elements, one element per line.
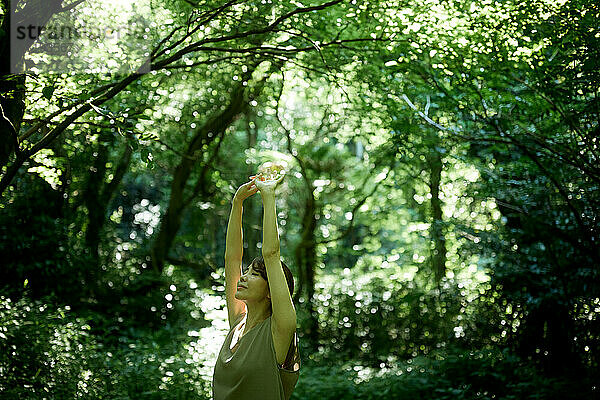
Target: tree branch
<point>359,204</point>
<point>106,92</point>
<point>71,6</point>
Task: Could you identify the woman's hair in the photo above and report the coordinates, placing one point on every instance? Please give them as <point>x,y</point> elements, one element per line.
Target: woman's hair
<point>258,264</point>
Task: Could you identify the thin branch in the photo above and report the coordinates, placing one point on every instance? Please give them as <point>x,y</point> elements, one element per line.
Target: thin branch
<point>568,157</point>
<point>79,112</point>
<point>61,110</point>
<point>199,186</point>
<point>552,104</point>
<point>71,6</point>
<point>294,154</point>
<point>304,174</point>
<point>314,44</point>
<point>292,61</point>
<point>274,49</point>
<point>119,173</point>
<point>300,11</point>
<point>425,117</point>
<point>195,64</point>
<point>359,204</point>
<point>518,144</point>
<point>208,15</point>
<point>556,184</point>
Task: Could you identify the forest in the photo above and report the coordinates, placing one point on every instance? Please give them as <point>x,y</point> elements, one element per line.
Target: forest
<point>440,211</point>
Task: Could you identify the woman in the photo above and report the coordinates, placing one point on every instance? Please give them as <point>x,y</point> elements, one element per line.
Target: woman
<point>259,359</point>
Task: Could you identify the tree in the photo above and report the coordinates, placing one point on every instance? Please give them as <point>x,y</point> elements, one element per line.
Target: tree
<point>179,45</point>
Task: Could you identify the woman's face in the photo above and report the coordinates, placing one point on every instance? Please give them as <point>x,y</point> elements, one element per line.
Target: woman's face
<point>252,286</point>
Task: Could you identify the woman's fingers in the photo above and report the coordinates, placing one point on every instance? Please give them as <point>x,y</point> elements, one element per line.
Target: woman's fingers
<point>252,188</point>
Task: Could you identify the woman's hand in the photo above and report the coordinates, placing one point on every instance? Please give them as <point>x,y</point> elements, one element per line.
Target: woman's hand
<point>244,191</point>
<point>267,187</point>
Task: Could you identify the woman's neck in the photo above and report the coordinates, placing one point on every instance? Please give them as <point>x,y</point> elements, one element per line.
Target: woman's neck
<point>256,313</point>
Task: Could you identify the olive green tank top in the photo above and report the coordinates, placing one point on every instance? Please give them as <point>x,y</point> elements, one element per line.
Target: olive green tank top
<point>248,370</point>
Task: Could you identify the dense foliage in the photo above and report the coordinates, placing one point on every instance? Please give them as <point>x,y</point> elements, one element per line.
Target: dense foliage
<point>440,211</point>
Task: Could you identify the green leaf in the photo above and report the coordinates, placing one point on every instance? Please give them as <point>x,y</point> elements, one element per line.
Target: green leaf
<point>48,91</point>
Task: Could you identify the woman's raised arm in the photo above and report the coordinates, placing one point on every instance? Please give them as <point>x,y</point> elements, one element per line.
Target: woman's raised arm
<point>234,250</point>
<point>283,317</point>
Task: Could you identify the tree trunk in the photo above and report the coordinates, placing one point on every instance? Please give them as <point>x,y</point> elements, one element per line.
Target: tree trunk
<point>99,193</point>
<point>438,256</point>
<point>306,258</point>
<point>12,86</point>
<point>92,198</point>
<point>13,108</point>
<point>213,128</point>
<point>171,220</point>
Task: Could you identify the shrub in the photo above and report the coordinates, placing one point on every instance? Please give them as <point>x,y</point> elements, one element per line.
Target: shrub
<point>459,374</point>
<point>44,353</point>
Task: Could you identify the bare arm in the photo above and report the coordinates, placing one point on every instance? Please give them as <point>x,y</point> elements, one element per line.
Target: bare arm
<point>234,250</point>
<point>283,318</point>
